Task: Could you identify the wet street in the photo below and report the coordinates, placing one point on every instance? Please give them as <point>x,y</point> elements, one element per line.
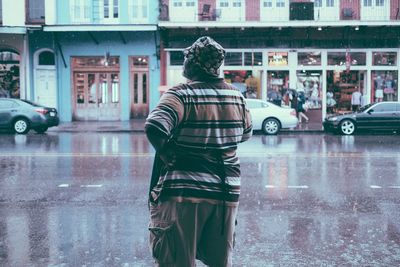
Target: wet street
<point>80,199</point>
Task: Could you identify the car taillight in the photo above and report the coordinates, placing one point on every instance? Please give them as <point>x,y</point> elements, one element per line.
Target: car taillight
<point>293,112</point>
<point>41,111</point>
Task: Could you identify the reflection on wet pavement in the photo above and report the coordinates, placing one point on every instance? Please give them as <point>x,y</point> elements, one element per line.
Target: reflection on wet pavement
<point>307,200</point>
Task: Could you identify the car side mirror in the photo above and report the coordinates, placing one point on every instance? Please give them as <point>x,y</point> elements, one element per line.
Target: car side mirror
<point>370,111</point>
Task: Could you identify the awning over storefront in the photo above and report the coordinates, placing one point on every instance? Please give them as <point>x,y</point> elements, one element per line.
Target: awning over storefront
<point>13,30</point>
<point>102,28</point>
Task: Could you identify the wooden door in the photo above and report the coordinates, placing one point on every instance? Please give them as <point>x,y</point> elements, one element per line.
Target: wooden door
<point>46,87</point>
<point>140,94</point>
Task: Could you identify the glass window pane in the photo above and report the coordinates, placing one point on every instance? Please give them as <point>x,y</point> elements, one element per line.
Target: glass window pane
<point>92,88</point>
<point>233,59</point>
<point>46,58</point>
<point>309,58</point>
<point>144,88</point>
<point>36,10</point>
<point>176,58</point>
<point>336,58</point>
<point>318,3</point>
<point>384,58</point>
<point>141,62</point>
<point>103,98</point>
<point>330,3</point>
<point>358,58</point>
<point>115,9</point>
<point>114,88</point>
<point>135,88</point>
<point>384,86</point>
<point>80,88</point>
<point>252,59</point>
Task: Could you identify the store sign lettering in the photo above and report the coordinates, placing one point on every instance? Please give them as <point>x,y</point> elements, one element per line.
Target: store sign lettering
<point>278,59</point>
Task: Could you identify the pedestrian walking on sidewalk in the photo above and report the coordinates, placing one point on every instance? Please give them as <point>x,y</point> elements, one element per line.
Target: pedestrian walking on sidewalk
<point>194,191</point>
<point>301,107</point>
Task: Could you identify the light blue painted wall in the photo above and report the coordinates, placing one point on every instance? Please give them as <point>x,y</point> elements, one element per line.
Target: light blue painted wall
<point>80,44</point>
<point>63,12</point>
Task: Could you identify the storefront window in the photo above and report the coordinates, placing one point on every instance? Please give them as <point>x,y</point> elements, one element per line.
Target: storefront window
<point>176,58</point>
<point>384,58</point>
<point>277,59</point>
<point>104,89</point>
<point>253,59</point>
<point>233,59</point>
<point>309,58</point>
<point>247,81</point>
<point>9,74</point>
<point>384,86</point>
<point>339,58</point>
<point>309,95</point>
<point>346,91</point>
<point>277,85</point>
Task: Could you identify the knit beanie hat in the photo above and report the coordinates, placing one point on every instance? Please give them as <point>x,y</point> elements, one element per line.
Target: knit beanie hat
<point>204,55</point>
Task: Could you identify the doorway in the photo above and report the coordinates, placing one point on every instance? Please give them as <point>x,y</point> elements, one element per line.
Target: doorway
<point>45,79</point>
<point>139,87</point>
<point>96,88</point>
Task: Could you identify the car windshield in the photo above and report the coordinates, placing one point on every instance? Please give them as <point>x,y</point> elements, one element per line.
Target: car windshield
<point>30,103</point>
<point>364,108</point>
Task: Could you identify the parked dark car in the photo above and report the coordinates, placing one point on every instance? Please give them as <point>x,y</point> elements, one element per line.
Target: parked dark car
<point>375,116</point>
<point>21,115</point>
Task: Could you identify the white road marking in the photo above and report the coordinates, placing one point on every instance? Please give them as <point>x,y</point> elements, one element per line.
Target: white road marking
<point>394,186</point>
<point>375,186</point>
<point>92,185</point>
<point>63,185</point>
<point>298,186</point>
<point>289,186</point>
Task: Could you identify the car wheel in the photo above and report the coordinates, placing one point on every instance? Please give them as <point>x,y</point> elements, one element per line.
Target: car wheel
<point>347,127</point>
<point>271,126</point>
<point>21,126</point>
<point>41,129</point>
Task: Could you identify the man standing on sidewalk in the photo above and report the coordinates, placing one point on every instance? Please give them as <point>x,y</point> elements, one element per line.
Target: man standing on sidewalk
<point>195,185</point>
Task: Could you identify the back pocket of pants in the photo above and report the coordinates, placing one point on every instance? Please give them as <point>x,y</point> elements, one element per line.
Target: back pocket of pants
<point>162,241</point>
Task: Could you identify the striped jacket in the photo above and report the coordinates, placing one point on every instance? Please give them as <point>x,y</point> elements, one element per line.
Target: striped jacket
<point>205,122</point>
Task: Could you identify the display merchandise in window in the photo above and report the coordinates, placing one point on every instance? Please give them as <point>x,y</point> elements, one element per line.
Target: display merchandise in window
<point>384,86</point>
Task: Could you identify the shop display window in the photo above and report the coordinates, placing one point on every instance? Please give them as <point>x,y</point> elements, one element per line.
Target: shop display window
<point>233,59</point>
<point>247,81</point>
<point>176,58</point>
<point>339,58</point>
<point>309,58</point>
<point>384,58</point>
<point>384,86</point>
<point>277,85</point>
<point>346,91</point>
<point>253,58</point>
<point>277,59</point>
<point>9,74</point>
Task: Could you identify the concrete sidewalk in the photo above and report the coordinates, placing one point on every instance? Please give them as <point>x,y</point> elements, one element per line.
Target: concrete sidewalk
<point>138,126</point>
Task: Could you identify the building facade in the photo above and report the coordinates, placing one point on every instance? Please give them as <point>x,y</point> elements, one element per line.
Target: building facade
<point>111,59</point>
<point>91,59</point>
<point>322,48</point>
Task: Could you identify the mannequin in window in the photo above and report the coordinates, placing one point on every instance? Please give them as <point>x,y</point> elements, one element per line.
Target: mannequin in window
<point>356,100</point>
<point>389,88</point>
<point>315,96</point>
<point>379,82</point>
<point>330,103</point>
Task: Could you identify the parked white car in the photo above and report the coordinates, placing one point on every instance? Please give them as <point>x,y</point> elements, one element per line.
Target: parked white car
<point>269,117</point>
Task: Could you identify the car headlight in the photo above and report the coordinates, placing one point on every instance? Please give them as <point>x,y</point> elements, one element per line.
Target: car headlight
<point>332,119</point>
